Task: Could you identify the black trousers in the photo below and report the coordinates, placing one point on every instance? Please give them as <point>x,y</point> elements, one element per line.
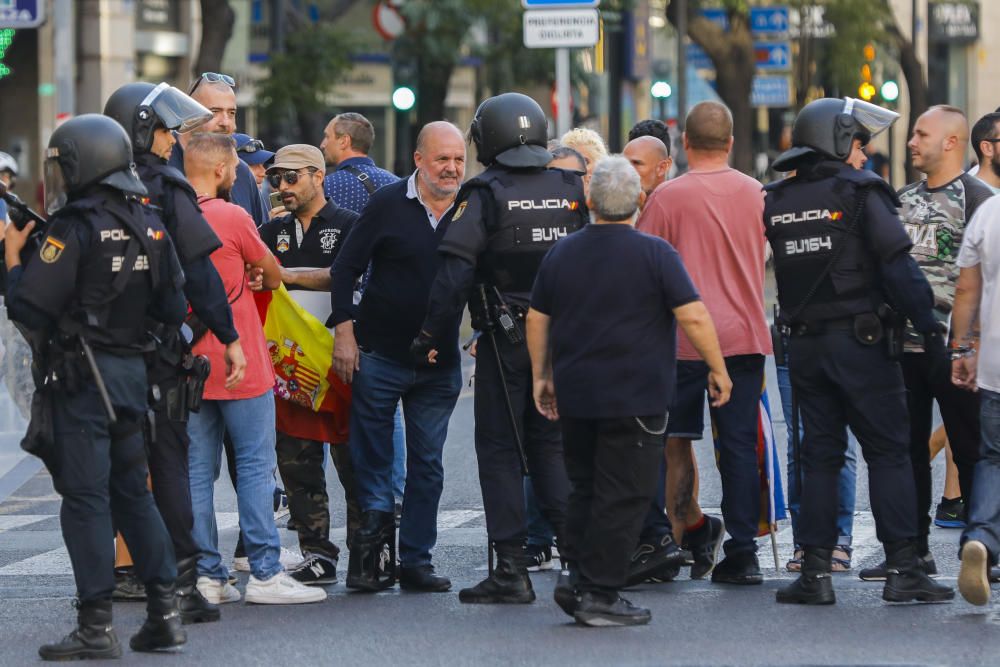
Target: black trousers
<point>499,465</point>
<point>168,468</point>
<point>100,472</point>
<point>300,463</point>
<point>613,465</point>
<point>839,382</point>
<point>928,377</point>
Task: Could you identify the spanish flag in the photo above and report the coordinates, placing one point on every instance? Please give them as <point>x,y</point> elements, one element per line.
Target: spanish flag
<point>315,404</point>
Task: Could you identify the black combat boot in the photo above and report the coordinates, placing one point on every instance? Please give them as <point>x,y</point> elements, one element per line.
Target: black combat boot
<point>162,628</point>
<point>814,585</point>
<point>372,564</point>
<point>566,594</point>
<point>907,580</point>
<point>509,583</point>
<point>93,638</point>
<point>191,603</point>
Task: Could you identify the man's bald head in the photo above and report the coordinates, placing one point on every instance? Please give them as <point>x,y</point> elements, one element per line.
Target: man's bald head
<point>434,131</point>
<point>210,160</point>
<point>650,158</point>
<point>440,159</point>
<point>940,136</point>
<point>709,127</point>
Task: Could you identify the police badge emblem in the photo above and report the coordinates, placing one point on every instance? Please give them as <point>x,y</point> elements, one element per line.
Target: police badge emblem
<point>459,211</point>
<point>51,250</point>
<point>283,242</point>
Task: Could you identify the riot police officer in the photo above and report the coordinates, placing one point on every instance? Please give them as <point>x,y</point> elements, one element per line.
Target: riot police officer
<point>150,114</point>
<point>81,296</point>
<point>841,257</point>
<point>503,223</point>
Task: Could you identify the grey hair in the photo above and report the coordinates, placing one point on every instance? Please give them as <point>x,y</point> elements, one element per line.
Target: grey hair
<point>614,189</point>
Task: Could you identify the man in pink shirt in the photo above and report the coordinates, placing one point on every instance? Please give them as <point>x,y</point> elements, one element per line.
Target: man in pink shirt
<point>712,215</point>
<point>246,409</point>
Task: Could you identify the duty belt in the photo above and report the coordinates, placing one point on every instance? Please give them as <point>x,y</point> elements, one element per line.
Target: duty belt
<point>822,326</point>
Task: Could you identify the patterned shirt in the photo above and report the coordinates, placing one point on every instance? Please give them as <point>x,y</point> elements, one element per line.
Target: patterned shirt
<point>344,187</point>
<point>935,219</point>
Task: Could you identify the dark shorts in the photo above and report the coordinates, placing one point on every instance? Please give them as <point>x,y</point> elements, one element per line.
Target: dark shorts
<point>687,414</point>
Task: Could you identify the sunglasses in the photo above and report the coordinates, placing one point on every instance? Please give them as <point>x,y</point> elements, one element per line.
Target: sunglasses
<point>291,177</point>
<point>213,77</point>
<point>251,147</point>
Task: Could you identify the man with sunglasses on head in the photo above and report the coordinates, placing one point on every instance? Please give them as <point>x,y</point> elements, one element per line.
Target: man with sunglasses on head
<point>217,92</point>
<point>305,242</point>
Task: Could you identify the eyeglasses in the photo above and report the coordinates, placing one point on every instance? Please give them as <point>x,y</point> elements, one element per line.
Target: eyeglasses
<point>291,177</point>
<point>251,147</point>
<point>213,77</point>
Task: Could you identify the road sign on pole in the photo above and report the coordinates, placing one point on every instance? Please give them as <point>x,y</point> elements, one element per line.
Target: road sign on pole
<point>771,21</point>
<point>22,13</point>
<point>559,4</point>
<point>771,91</point>
<point>561,28</point>
<point>773,55</point>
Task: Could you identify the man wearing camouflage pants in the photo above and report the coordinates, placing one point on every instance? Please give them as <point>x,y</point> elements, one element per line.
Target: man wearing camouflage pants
<point>935,212</point>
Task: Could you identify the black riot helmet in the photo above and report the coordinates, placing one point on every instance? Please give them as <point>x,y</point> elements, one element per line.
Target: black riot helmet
<point>85,151</point>
<point>511,129</point>
<point>142,107</point>
<point>827,127</point>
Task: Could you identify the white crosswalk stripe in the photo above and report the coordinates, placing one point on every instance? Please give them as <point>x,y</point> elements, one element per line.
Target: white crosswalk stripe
<point>56,561</point>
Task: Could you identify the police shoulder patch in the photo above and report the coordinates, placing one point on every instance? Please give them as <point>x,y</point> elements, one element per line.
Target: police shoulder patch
<point>52,249</point>
<point>459,211</point>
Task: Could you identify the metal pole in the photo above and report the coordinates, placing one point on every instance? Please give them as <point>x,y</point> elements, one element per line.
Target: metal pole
<point>563,99</point>
<point>682,23</point>
<point>64,50</point>
<point>892,156</point>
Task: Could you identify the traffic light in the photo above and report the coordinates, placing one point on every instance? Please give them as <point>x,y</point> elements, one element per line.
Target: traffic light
<point>660,89</point>
<point>6,37</point>
<point>866,90</point>
<point>403,98</point>
<point>890,91</point>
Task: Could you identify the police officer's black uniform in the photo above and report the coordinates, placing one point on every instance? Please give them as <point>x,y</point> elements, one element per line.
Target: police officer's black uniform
<point>174,375</point>
<point>840,254</point>
<point>104,265</point>
<point>504,222</point>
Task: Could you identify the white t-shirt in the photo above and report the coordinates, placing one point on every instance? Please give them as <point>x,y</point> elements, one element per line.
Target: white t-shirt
<point>981,247</point>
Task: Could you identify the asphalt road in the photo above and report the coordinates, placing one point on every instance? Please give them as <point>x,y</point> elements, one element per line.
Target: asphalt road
<point>694,623</point>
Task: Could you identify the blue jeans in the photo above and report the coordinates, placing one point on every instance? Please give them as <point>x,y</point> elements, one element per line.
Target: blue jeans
<point>250,424</point>
<point>984,507</point>
<point>399,454</point>
<point>848,474</point>
<point>429,396</point>
<point>540,533</point>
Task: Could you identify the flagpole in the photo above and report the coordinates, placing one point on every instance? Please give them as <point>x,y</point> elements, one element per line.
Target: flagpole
<point>774,549</point>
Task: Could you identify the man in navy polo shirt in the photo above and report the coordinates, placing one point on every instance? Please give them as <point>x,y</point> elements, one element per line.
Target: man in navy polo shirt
<point>306,242</point>
<point>346,142</point>
<point>603,313</point>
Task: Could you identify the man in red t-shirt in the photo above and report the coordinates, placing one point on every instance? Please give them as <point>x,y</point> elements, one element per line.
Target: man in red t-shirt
<point>712,215</point>
<point>244,410</point>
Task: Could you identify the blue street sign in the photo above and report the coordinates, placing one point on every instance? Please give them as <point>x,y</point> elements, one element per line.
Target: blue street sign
<point>717,16</point>
<point>554,4</point>
<point>769,20</point>
<point>697,58</point>
<point>772,55</point>
<point>22,13</point>
<point>770,91</point>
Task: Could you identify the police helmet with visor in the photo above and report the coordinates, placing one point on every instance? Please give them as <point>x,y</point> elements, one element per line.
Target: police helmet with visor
<point>510,129</point>
<point>828,126</point>
<point>85,151</point>
<point>141,108</point>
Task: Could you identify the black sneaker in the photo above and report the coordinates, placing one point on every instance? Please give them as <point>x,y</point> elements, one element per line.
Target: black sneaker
<point>649,560</point>
<point>880,572</point>
<point>704,545</point>
<point>539,557</point>
<point>950,513</point>
<point>128,588</point>
<point>599,610</point>
<point>315,571</point>
<point>565,594</point>
<point>740,568</point>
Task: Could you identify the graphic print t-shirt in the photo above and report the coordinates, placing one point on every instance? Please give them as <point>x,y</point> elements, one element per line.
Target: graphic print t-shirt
<point>935,219</point>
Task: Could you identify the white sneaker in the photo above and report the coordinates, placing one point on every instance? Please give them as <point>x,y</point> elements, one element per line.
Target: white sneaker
<point>289,559</point>
<point>217,592</point>
<point>241,564</point>
<point>282,589</point>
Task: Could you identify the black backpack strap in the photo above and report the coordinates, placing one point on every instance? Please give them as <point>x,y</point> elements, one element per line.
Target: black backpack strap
<point>363,177</point>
